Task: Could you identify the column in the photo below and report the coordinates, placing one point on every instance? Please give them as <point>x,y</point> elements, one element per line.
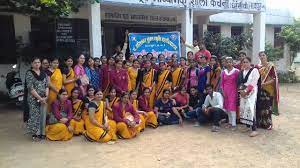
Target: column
<point>226,30</point>
<point>95,30</point>
<point>259,35</point>
<point>202,26</point>
<point>187,29</point>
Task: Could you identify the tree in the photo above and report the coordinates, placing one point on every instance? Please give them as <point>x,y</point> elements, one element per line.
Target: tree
<point>45,8</point>
<point>291,36</point>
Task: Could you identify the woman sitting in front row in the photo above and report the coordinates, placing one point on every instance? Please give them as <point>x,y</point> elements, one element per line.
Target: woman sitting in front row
<point>128,120</point>
<point>77,122</point>
<point>98,127</point>
<point>166,111</point>
<point>58,128</point>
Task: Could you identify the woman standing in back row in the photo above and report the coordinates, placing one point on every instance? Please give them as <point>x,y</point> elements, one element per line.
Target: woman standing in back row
<point>268,98</point>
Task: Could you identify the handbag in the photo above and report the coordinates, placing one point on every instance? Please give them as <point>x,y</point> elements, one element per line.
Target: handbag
<point>84,80</point>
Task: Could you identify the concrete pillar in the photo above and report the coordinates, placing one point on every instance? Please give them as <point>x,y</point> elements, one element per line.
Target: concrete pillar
<point>202,26</point>
<point>95,30</point>
<point>187,28</point>
<point>270,35</point>
<point>259,35</point>
<point>226,30</point>
<point>22,27</point>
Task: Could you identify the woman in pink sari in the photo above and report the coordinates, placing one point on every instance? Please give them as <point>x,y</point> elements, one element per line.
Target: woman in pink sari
<point>81,74</point>
<point>229,87</point>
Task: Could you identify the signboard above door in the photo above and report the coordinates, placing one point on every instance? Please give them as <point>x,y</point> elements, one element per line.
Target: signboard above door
<point>248,6</point>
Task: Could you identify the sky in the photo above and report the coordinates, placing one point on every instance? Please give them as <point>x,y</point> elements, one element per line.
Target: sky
<point>289,4</point>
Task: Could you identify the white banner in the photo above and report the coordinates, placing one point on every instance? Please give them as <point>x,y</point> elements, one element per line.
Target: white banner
<point>222,5</point>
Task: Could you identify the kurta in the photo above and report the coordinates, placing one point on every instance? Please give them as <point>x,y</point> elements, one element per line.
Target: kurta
<point>106,79</point>
<point>229,87</point>
<point>119,80</point>
<point>36,122</point>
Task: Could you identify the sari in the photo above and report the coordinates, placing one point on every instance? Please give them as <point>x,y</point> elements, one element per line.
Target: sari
<point>178,77</point>
<point>110,114</point>
<point>55,130</point>
<point>135,104</point>
<point>124,114</point>
<point>95,133</point>
<point>70,74</point>
<point>215,78</point>
<point>268,96</point>
<point>78,125</point>
<point>84,81</point>
<point>56,79</point>
<point>164,82</point>
<point>150,119</point>
<point>133,74</point>
<point>149,78</point>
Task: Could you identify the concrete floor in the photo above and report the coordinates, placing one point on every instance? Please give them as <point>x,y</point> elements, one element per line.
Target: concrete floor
<point>169,146</point>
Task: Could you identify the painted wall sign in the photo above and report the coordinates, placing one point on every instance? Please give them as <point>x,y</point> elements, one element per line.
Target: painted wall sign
<point>222,5</point>
<point>132,17</point>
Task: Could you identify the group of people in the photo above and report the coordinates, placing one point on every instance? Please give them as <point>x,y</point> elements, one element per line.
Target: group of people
<point>108,98</point>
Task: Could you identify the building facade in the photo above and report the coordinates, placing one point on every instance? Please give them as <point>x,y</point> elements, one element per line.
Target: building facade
<point>98,27</point>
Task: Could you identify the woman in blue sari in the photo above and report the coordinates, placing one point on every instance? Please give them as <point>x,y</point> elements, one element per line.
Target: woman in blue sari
<point>93,74</point>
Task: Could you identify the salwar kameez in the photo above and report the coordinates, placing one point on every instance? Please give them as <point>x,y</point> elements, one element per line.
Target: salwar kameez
<point>36,122</point>
<point>248,104</point>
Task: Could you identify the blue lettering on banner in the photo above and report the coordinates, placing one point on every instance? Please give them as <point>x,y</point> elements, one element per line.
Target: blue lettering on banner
<point>167,43</point>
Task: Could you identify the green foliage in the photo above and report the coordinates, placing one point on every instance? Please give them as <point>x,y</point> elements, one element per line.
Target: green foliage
<point>291,36</point>
<point>45,8</point>
<point>273,54</point>
<point>230,46</point>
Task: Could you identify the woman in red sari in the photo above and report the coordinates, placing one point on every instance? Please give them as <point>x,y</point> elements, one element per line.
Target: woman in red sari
<point>268,96</point>
<point>119,78</point>
<point>106,75</point>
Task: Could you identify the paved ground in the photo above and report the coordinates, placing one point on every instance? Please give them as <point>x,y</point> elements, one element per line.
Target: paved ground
<point>164,147</point>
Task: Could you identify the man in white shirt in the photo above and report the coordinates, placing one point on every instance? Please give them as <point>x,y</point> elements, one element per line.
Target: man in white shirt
<point>212,109</point>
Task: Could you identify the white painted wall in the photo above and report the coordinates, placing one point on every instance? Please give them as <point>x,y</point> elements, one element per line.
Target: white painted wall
<point>270,35</point>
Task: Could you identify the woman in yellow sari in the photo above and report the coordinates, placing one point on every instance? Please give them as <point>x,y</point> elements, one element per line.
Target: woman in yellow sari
<point>77,122</point>
<point>164,80</point>
<point>69,78</point>
<point>128,120</point>
<point>133,75</point>
<point>148,113</point>
<point>110,101</point>
<point>86,101</point>
<point>268,94</point>
<point>56,81</point>
<point>148,79</point>
<point>179,73</point>
<point>142,114</point>
<point>98,127</point>
<point>58,126</point>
